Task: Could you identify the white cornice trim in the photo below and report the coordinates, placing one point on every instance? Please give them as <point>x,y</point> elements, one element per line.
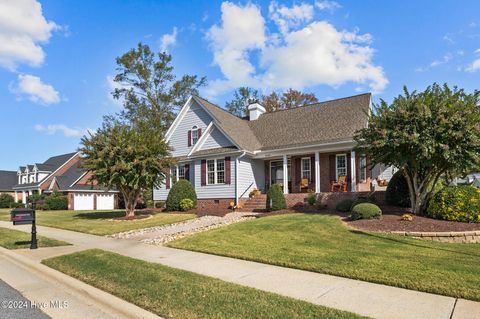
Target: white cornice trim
<point>79,179</point>
<point>202,139</point>
<point>179,117</point>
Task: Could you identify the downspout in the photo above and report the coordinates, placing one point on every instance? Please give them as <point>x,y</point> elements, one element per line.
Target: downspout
<point>236,176</point>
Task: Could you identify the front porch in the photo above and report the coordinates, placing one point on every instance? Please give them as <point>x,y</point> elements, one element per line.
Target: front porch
<point>319,172</point>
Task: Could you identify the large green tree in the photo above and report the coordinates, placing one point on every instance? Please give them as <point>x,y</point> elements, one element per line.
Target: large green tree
<point>129,152</point>
<point>428,135</point>
<point>149,89</point>
<point>272,102</point>
<point>241,98</point>
<point>123,157</point>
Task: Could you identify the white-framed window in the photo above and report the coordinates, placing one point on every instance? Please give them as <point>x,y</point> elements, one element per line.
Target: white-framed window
<point>181,172</point>
<point>341,165</point>
<point>194,135</point>
<point>177,173</point>
<point>306,168</point>
<point>216,171</point>
<point>363,167</point>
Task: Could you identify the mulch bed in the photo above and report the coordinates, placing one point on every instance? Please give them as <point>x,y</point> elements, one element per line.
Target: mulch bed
<point>136,217</point>
<point>393,222</point>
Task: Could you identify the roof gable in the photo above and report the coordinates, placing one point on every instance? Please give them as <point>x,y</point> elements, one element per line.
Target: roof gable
<point>8,179</point>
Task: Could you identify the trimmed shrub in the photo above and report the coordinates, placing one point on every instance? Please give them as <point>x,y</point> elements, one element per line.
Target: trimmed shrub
<point>56,201</point>
<point>180,190</point>
<point>275,198</point>
<point>320,206</point>
<point>365,211</point>
<point>397,191</point>
<point>186,204</point>
<point>6,200</point>
<point>344,206</point>
<point>17,205</point>
<point>456,203</point>
<point>311,199</point>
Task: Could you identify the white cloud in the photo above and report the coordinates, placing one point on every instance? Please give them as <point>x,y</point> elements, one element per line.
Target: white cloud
<point>306,53</point>
<point>53,129</point>
<point>168,40</point>
<point>475,65</point>
<point>437,62</point>
<point>327,5</point>
<point>288,17</point>
<point>36,91</point>
<point>23,29</point>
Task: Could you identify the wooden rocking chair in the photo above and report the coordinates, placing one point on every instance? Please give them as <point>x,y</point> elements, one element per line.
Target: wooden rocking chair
<point>340,185</point>
<point>303,184</point>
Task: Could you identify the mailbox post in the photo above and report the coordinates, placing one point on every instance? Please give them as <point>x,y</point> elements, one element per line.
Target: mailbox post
<point>26,216</point>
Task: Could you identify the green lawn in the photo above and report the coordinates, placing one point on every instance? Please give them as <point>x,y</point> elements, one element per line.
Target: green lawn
<point>322,243</point>
<point>15,239</point>
<point>174,293</point>
<point>99,222</point>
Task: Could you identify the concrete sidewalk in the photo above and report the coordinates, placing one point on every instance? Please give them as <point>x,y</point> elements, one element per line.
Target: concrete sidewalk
<point>58,295</point>
<point>368,299</point>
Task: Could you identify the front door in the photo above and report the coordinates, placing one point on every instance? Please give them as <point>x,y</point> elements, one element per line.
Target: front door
<point>276,172</point>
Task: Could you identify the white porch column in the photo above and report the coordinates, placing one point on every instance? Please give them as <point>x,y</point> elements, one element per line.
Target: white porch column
<point>353,171</point>
<point>317,172</point>
<point>16,197</point>
<point>24,197</point>
<point>30,193</point>
<point>285,174</point>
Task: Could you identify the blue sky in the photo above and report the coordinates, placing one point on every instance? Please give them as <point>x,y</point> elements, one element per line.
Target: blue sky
<point>56,57</point>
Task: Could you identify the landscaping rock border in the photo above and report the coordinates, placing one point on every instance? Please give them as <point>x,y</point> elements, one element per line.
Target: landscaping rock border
<point>466,237</point>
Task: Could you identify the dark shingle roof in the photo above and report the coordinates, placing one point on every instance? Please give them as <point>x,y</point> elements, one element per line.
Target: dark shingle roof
<point>56,161</point>
<point>236,128</point>
<point>8,179</point>
<point>44,167</point>
<point>330,121</point>
<point>324,122</point>
<point>70,176</point>
<point>219,150</point>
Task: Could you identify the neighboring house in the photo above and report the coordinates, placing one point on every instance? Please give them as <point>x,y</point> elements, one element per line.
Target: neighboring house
<point>8,179</point>
<point>302,149</point>
<point>470,179</point>
<point>63,174</point>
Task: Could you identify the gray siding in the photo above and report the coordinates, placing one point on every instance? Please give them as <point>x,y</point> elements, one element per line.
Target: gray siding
<point>215,191</point>
<point>216,139</point>
<point>251,174</point>
<point>179,139</point>
<point>161,193</point>
<point>203,192</point>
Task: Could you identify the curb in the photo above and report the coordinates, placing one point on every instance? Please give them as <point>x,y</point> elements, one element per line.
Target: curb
<point>109,303</point>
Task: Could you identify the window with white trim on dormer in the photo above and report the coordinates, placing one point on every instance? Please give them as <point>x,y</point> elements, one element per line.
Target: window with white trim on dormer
<point>194,135</point>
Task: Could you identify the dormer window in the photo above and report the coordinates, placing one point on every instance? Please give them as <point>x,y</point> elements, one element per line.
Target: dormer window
<point>194,135</point>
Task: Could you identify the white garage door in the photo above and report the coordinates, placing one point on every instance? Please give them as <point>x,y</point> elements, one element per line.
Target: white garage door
<point>105,201</point>
<point>83,202</point>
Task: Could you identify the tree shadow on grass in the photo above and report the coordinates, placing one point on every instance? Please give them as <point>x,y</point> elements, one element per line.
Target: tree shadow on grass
<point>410,243</point>
<point>107,214</point>
<point>22,243</point>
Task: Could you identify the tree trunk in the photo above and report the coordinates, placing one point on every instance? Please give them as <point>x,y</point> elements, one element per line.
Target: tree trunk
<point>131,198</point>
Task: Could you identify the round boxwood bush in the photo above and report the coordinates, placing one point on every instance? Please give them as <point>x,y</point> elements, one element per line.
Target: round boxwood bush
<point>275,198</point>
<point>180,190</point>
<point>6,200</point>
<point>365,211</point>
<point>344,206</point>
<point>456,203</point>
<point>397,191</point>
<point>56,201</point>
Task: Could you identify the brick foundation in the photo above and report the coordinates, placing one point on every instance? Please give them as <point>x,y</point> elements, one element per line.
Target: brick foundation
<point>221,203</point>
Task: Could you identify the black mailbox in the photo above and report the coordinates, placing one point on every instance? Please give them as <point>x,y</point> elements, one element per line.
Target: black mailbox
<point>22,216</point>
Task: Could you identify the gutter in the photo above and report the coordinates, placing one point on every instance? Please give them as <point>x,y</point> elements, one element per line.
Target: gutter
<point>236,175</point>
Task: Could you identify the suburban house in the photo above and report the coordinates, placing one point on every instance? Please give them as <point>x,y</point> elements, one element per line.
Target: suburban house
<point>305,149</point>
<point>8,179</point>
<point>63,173</point>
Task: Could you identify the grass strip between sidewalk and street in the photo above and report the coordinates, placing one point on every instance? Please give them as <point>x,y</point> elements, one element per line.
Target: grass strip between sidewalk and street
<point>322,243</point>
<point>15,239</point>
<point>174,293</point>
<point>101,222</point>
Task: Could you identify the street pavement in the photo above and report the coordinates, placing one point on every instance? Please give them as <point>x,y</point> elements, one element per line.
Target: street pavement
<point>14,306</point>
